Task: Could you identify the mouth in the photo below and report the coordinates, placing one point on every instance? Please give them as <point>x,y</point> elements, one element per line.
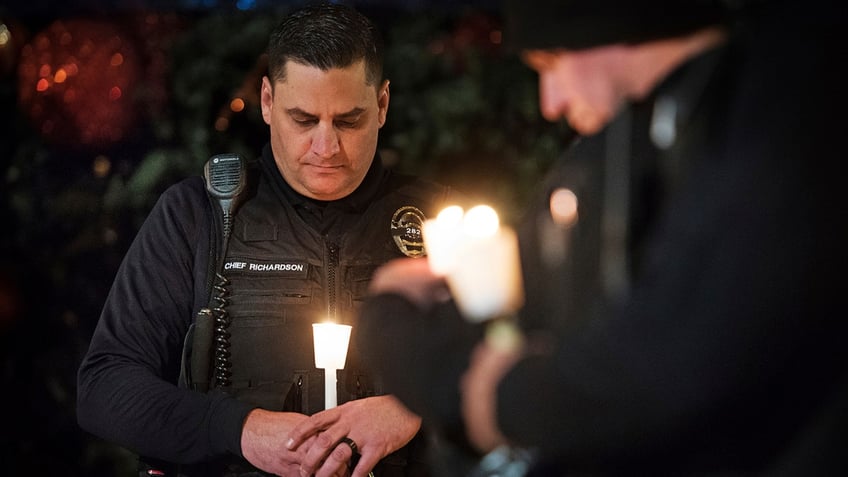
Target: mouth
<point>326,167</point>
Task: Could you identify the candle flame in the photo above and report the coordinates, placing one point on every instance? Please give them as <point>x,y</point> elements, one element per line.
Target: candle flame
<point>450,216</point>
<point>481,221</point>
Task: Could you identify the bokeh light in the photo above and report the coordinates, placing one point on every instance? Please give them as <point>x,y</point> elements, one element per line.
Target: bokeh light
<point>75,82</point>
<point>12,36</point>
<point>101,166</point>
<point>563,207</point>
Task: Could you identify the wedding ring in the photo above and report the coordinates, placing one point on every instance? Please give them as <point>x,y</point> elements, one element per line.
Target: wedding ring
<point>355,456</point>
<point>353,447</point>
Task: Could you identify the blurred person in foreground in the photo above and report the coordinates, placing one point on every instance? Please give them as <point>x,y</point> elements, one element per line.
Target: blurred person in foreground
<point>685,317</point>
<point>322,215</point>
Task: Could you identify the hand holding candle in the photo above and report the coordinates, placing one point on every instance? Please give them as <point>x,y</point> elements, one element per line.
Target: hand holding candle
<point>331,342</point>
<point>479,260</point>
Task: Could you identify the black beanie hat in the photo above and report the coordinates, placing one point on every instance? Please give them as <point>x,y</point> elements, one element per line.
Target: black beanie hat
<point>580,24</point>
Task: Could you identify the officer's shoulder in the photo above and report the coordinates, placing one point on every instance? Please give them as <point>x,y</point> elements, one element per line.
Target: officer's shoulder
<point>417,187</point>
<point>189,187</point>
<point>190,191</point>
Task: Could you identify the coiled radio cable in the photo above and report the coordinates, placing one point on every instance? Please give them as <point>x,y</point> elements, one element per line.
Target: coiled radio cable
<point>222,363</point>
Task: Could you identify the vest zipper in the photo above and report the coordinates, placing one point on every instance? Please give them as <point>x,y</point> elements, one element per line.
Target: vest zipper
<point>332,265</point>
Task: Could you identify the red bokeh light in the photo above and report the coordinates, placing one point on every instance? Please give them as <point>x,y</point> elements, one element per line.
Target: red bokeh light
<point>75,81</point>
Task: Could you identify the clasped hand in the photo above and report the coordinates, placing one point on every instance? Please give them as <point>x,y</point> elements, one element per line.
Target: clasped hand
<point>291,444</point>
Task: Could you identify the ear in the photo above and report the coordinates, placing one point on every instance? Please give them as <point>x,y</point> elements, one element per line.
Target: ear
<point>266,97</point>
<point>383,103</point>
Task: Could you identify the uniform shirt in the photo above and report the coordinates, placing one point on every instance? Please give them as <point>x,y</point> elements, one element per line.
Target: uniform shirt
<point>127,389</point>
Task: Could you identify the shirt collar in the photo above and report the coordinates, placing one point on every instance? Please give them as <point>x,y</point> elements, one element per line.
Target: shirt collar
<point>356,201</point>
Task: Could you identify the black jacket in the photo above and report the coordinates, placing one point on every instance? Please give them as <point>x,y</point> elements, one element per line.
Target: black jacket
<point>128,390</point>
<point>724,351</point>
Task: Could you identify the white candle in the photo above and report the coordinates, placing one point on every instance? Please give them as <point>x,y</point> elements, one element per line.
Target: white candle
<point>442,236</point>
<point>331,343</point>
<point>479,260</point>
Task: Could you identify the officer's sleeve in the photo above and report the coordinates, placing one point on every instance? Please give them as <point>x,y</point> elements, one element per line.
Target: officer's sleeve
<point>126,383</point>
<point>420,355</point>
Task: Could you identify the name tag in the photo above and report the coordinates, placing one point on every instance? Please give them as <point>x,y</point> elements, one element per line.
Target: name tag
<point>289,268</point>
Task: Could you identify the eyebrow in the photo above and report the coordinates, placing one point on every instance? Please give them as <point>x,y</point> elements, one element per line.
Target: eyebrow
<point>352,114</point>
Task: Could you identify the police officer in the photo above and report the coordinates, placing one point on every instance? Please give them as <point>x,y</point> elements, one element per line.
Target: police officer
<point>321,214</point>
<point>712,349</point>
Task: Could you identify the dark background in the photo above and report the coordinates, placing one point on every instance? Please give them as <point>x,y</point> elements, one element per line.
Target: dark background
<point>105,104</point>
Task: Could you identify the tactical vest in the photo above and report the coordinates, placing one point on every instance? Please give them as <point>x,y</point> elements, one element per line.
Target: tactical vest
<point>284,276</point>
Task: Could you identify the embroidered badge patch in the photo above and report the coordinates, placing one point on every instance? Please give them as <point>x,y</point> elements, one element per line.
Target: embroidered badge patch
<point>407,223</point>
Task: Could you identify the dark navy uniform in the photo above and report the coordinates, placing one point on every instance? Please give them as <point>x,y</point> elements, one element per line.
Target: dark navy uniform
<point>290,262</point>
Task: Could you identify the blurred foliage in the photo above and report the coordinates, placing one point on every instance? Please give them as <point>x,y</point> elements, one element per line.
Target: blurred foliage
<point>465,113</point>
<point>462,112</point>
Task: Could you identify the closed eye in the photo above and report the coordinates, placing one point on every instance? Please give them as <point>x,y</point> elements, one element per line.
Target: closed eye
<point>349,120</point>
<point>346,124</point>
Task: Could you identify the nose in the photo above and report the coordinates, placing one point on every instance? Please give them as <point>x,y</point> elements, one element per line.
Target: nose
<point>552,101</point>
<point>325,142</point>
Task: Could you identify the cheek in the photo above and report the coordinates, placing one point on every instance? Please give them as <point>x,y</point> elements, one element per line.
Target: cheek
<point>293,143</point>
<point>602,92</point>
<point>605,100</point>
<point>359,140</point>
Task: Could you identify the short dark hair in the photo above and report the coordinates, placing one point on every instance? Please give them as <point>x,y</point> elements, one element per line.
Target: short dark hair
<point>326,36</point>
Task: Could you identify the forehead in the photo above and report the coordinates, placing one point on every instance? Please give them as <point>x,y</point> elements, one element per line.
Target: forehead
<point>309,87</point>
<point>301,74</point>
